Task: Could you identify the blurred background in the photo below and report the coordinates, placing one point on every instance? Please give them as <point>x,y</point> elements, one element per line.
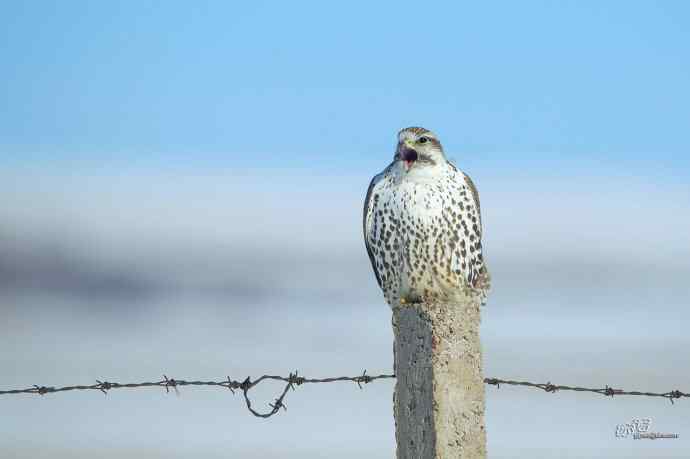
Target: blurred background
<point>182,185</point>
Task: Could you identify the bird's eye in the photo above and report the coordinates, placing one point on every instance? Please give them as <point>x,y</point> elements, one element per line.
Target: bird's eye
<point>423,139</point>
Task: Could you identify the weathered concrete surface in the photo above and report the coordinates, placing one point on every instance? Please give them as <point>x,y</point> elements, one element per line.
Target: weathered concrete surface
<point>439,391</point>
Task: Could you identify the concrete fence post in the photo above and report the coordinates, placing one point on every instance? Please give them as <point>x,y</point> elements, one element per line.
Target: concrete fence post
<point>439,390</point>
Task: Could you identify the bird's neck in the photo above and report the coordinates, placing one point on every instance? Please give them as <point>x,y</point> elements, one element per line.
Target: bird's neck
<point>426,174</point>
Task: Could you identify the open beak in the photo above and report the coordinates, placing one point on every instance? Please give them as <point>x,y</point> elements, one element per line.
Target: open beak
<point>407,155</point>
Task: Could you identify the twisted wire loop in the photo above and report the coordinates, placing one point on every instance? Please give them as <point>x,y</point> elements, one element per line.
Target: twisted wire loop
<point>293,380</point>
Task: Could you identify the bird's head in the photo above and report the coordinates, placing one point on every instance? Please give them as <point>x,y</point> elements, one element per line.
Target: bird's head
<point>418,148</point>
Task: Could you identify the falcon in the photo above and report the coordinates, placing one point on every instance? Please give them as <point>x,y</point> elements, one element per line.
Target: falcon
<point>423,227</point>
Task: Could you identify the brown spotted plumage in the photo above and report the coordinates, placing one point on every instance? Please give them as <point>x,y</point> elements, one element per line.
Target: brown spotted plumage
<point>423,227</point>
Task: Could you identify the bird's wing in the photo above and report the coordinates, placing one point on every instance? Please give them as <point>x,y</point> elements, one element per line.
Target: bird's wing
<point>471,240</point>
<point>367,218</point>
<point>475,194</point>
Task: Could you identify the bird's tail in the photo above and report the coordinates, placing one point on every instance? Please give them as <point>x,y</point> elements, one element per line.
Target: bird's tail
<point>483,285</point>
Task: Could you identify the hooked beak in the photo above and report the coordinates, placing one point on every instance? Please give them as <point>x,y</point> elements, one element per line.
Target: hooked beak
<point>407,155</point>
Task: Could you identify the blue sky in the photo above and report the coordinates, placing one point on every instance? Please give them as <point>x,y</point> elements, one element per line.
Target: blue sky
<point>322,85</point>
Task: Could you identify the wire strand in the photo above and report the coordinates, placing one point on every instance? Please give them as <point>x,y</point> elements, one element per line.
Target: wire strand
<point>293,379</point>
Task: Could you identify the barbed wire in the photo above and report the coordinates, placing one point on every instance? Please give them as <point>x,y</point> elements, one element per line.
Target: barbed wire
<point>293,379</point>
<point>607,391</point>
<point>244,386</point>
